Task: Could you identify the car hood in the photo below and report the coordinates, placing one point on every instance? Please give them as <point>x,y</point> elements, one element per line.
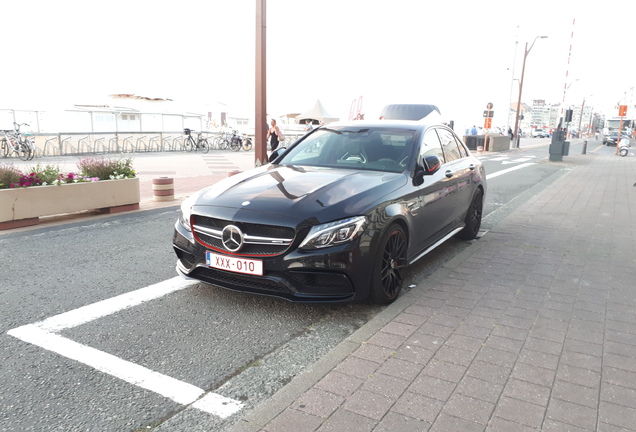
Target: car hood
<point>297,193</point>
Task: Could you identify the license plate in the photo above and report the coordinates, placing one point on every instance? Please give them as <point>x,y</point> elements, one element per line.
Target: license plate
<point>235,265</point>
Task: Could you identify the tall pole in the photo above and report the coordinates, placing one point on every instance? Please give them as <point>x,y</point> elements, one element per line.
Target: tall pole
<point>512,80</point>
<point>523,71</point>
<point>260,119</point>
<point>581,118</point>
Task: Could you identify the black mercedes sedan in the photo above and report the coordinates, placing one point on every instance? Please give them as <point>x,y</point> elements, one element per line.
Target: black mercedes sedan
<point>335,217</point>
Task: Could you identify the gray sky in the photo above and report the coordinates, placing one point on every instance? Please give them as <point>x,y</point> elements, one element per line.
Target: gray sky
<point>458,55</point>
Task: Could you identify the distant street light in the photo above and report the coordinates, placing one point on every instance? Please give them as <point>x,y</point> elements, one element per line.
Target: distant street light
<point>523,70</point>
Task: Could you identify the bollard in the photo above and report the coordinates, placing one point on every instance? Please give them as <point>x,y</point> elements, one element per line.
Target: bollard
<point>584,147</point>
<point>163,189</point>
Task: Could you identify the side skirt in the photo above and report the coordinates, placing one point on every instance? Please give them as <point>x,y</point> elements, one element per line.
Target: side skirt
<point>439,242</point>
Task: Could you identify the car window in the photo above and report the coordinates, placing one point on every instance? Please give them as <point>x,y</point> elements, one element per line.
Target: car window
<point>449,145</point>
<point>463,150</point>
<point>431,145</point>
<point>377,149</point>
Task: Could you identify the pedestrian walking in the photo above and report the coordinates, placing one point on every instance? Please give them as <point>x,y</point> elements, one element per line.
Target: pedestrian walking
<point>275,134</point>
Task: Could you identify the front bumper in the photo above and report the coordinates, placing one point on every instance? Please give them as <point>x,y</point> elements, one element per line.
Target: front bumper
<point>336,274</point>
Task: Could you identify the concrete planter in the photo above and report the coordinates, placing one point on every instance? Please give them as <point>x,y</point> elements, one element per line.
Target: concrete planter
<point>24,206</point>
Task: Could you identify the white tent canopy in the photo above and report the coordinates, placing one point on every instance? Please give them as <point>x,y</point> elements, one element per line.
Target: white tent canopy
<point>316,113</point>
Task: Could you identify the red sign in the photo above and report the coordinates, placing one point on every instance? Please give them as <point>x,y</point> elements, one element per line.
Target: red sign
<point>622,110</point>
<point>488,123</point>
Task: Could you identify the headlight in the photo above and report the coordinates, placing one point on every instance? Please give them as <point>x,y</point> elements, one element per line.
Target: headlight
<point>185,212</point>
<point>334,233</point>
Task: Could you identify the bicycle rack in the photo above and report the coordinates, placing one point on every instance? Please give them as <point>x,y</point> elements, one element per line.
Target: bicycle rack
<point>141,140</point>
<point>178,143</point>
<point>55,148</point>
<point>114,146</point>
<point>127,143</point>
<point>154,141</point>
<point>66,142</point>
<point>99,142</point>
<point>84,141</point>
<point>167,143</point>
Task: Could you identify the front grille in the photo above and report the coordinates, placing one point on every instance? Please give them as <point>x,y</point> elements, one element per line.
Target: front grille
<point>260,239</point>
<point>249,228</point>
<point>247,249</point>
<point>239,281</point>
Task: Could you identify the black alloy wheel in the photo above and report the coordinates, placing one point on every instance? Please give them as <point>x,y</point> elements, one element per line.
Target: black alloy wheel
<point>391,259</point>
<point>473,217</point>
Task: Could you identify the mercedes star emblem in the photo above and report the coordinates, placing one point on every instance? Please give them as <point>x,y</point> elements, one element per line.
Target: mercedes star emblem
<point>232,238</point>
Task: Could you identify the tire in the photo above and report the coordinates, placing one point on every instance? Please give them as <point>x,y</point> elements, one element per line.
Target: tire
<point>623,152</point>
<point>221,144</point>
<point>24,152</point>
<point>387,280</point>
<point>203,145</point>
<point>31,149</point>
<point>472,220</point>
<point>235,144</point>
<point>247,144</point>
<point>5,147</point>
<point>188,144</point>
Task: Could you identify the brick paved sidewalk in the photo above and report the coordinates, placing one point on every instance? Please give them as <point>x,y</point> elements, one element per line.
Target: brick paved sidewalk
<point>531,328</point>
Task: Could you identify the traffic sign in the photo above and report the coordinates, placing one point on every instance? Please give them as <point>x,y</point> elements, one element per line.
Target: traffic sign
<point>622,110</point>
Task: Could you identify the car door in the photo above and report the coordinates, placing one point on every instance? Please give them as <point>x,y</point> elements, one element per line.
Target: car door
<point>458,172</point>
<point>432,215</point>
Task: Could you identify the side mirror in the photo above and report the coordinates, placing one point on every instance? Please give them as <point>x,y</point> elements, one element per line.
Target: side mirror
<point>431,164</point>
<point>276,153</point>
<point>428,165</point>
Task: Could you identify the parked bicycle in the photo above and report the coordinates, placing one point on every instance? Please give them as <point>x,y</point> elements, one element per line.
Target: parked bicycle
<point>14,142</point>
<point>201,143</point>
<point>239,141</point>
<point>222,141</point>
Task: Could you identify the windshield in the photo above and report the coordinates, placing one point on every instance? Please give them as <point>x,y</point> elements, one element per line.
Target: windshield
<point>375,149</point>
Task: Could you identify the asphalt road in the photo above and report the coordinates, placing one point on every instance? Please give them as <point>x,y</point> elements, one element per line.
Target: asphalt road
<point>242,348</point>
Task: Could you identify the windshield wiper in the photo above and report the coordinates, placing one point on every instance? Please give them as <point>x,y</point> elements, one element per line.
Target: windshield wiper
<point>360,131</point>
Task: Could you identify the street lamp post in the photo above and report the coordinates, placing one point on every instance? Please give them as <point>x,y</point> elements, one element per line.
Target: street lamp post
<point>523,70</point>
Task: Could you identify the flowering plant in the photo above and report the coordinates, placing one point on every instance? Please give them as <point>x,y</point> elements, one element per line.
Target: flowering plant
<point>90,169</point>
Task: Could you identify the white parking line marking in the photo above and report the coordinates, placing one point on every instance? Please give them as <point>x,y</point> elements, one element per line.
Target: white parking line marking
<point>42,334</point>
<point>523,159</point>
<point>218,405</point>
<point>498,173</point>
<point>140,376</point>
<point>109,306</point>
